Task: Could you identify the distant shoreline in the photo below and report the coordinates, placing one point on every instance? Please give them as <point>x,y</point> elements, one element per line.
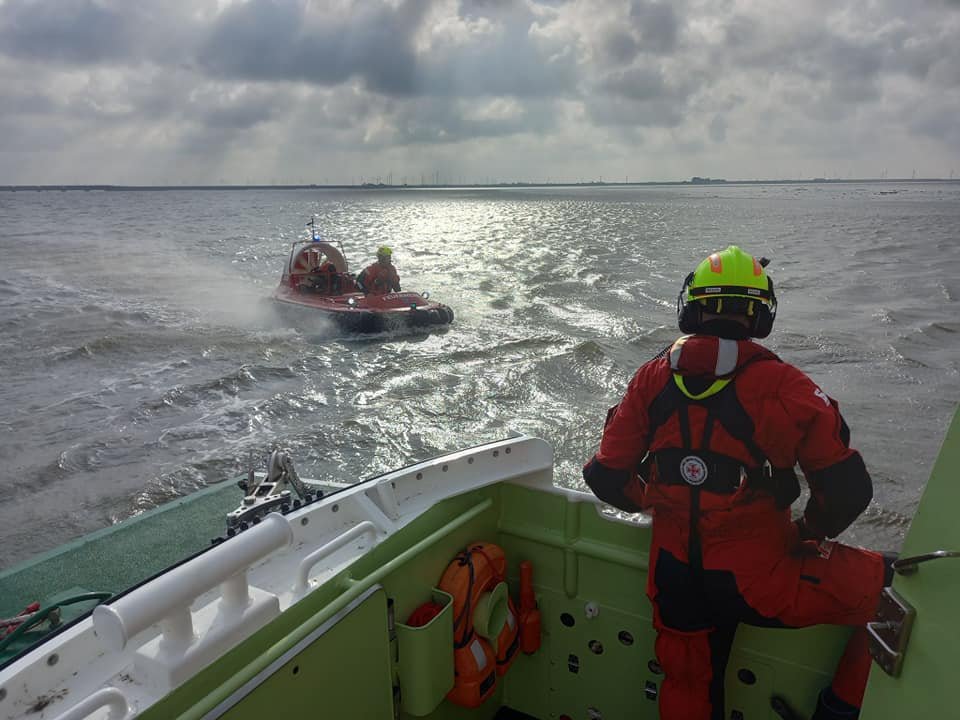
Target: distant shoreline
<point>697,182</point>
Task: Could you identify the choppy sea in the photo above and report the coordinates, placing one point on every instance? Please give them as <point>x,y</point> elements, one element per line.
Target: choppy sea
<point>141,358</point>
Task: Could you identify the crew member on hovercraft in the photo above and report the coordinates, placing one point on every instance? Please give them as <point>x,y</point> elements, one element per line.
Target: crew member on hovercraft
<point>324,278</point>
<point>719,422</point>
<point>380,277</point>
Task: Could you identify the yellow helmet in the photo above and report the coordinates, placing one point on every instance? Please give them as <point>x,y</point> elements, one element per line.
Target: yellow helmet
<point>385,251</point>
<point>730,282</point>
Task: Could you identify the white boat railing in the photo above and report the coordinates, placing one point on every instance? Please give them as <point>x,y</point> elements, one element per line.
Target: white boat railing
<point>168,599</point>
<point>159,635</point>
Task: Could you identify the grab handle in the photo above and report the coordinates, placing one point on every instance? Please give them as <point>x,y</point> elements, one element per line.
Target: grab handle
<point>908,566</point>
<point>107,697</point>
<point>308,563</point>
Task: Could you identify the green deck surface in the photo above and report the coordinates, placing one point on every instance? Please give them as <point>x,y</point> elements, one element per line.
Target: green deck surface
<point>332,650</point>
<point>120,556</point>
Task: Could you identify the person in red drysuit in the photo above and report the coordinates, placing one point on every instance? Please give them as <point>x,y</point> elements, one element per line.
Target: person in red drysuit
<point>705,439</point>
<point>380,277</point>
<point>323,278</point>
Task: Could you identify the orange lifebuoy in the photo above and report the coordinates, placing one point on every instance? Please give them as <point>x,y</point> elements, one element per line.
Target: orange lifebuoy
<point>476,579</point>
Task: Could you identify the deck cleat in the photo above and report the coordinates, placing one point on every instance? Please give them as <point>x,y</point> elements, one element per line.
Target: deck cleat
<point>269,492</point>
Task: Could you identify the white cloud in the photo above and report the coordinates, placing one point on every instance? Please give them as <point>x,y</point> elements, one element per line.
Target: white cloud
<point>148,91</point>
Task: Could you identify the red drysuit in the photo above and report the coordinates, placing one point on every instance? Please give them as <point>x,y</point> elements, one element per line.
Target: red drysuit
<point>379,278</point>
<point>724,422</point>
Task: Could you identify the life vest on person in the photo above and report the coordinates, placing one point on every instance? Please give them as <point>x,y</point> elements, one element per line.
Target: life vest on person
<point>326,280</point>
<point>698,432</point>
<point>379,279</point>
<point>485,622</point>
<point>698,460</point>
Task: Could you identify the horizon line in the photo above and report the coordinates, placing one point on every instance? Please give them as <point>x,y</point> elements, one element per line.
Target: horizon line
<point>695,181</point>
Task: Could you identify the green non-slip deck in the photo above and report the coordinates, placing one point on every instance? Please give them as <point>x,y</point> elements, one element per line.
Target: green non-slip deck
<point>118,557</point>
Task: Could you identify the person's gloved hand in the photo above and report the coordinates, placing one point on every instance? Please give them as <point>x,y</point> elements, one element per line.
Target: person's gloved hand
<point>808,542</point>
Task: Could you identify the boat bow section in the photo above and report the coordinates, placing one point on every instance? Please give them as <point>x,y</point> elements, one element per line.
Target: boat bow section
<point>146,643</point>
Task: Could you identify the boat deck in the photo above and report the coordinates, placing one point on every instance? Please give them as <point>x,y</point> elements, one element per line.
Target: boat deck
<point>120,557</point>
<point>124,554</point>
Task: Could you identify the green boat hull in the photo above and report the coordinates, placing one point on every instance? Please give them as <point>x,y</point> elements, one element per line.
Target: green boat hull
<point>344,650</point>
<point>579,558</point>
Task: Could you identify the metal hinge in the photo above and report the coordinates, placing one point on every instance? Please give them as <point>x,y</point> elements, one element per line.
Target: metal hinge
<point>890,632</point>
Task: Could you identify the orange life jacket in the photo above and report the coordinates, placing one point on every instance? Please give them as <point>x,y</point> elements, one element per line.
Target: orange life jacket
<point>477,570</point>
<point>380,279</point>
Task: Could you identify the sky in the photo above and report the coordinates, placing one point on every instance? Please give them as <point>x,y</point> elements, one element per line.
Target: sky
<point>151,92</point>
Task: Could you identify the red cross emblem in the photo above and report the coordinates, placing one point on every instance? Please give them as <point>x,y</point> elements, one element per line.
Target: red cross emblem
<point>693,470</point>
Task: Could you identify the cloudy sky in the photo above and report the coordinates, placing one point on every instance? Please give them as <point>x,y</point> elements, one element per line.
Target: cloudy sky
<point>339,91</point>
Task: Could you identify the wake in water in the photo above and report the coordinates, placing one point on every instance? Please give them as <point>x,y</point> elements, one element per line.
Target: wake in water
<point>147,360</point>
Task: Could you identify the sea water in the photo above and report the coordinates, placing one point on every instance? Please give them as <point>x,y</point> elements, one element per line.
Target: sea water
<point>142,359</point>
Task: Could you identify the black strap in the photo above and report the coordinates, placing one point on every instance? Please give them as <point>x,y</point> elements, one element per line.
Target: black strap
<point>723,473</point>
<point>724,407</point>
<point>465,558</point>
<point>707,431</point>
<point>694,548</point>
<point>684,413</point>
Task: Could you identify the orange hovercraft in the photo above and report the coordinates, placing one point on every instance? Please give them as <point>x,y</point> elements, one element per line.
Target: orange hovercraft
<point>316,278</point>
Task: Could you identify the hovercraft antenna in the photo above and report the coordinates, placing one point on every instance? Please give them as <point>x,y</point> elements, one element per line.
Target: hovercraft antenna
<point>314,235</point>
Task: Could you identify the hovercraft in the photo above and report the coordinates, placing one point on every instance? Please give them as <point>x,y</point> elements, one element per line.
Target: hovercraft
<point>317,278</point>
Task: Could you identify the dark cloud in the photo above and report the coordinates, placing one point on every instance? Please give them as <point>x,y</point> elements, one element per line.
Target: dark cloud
<point>503,65</point>
<point>235,113</point>
<point>28,102</point>
<point>618,47</point>
<point>186,84</point>
<point>654,112</point>
<point>937,122</point>
<point>94,32</point>
<point>274,40</point>
<point>468,8</point>
<point>35,134</point>
<point>657,24</point>
<point>642,96</point>
<point>81,31</point>
<point>636,83</point>
<point>718,129</point>
<point>282,40</point>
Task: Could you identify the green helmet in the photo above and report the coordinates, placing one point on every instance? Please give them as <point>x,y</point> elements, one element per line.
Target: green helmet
<point>729,282</point>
